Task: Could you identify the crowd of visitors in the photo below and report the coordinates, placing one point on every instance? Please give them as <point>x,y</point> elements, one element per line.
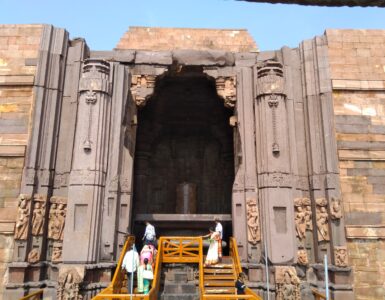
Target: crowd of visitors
<point>143,264</point>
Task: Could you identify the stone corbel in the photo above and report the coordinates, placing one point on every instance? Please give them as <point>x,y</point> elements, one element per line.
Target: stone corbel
<point>142,86</point>
<point>227,89</point>
<point>270,86</point>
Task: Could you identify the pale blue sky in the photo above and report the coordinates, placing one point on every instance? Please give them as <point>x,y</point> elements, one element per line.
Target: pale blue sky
<point>272,26</point>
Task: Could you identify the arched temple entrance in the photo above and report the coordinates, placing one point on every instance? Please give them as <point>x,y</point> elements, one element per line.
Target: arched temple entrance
<point>184,161</point>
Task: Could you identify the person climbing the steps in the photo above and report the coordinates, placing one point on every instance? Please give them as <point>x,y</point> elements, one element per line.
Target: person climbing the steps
<point>212,253</point>
<point>149,236</point>
<point>130,264</point>
<point>219,229</point>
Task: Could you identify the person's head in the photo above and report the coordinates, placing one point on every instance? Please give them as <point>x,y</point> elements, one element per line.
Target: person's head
<point>216,220</point>
<point>145,261</point>
<point>147,223</point>
<point>241,276</point>
<point>211,229</point>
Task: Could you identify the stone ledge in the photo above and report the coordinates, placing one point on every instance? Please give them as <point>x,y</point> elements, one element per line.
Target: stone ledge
<point>16,80</point>
<point>365,231</point>
<point>367,85</point>
<point>11,150</point>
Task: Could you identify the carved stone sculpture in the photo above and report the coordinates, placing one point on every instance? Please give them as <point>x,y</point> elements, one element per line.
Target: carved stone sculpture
<point>322,220</point>
<point>300,219</point>
<point>253,229</point>
<point>69,286</point>
<point>302,257</point>
<point>227,89</point>
<point>287,284</point>
<point>57,215</point>
<point>303,216</point>
<point>335,209</point>
<point>271,86</point>
<point>57,252</point>
<point>21,228</point>
<point>341,256</point>
<point>38,215</point>
<point>142,86</point>
<point>34,256</point>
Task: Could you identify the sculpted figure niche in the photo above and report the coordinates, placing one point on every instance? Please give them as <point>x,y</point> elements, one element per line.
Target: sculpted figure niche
<point>322,220</point>
<point>21,228</point>
<point>287,284</point>
<point>253,231</point>
<point>302,257</point>
<point>57,215</point>
<point>38,214</point>
<point>341,256</point>
<point>303,216</point>
<point>335,209</point>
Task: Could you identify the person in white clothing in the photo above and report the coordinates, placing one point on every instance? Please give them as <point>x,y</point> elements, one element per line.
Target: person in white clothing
<point>130,264</point>
<point>149,236</point>
<point>219,229</point>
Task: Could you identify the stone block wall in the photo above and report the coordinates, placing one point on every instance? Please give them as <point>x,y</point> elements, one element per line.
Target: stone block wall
<point>19,46</point>
<point>357,62</point>
<point>158,39</point>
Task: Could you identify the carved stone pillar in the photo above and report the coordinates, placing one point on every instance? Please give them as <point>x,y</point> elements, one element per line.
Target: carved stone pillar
<point>89,166</point>
<point>274,163</point>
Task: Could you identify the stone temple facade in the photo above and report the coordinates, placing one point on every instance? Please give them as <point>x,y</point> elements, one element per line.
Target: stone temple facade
<point>286,147</point>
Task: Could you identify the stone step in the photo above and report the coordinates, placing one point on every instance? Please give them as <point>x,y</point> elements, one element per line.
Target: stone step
<point>217,271</point>
<point>220,290</point>
<point>219,266</point>
<point>177,276</point>
<point>177,288</point>
<point>220,277</point>
<point>179,297</point>
<point>226,283</point>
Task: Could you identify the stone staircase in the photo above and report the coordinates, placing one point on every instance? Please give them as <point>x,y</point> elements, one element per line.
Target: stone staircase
<point>219,279</point>
<point>180,283</point>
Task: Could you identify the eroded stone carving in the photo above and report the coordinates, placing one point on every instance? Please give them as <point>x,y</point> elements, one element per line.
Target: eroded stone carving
<point>303,216</point>
<point>335,209</point>
<point>142,86</point>
<point>287,283</point>
<point>341,256</point>
<point>322,220</point>
<point>271,85</point>
<point>302,257</point>
<point>57,252</point>
<point>21,228</point>
<point>253,229</point>
<point>34,256</point>
<point>38,215</point>
<point>227,89</point>
<point>69,283</point>
<point>57,215</point>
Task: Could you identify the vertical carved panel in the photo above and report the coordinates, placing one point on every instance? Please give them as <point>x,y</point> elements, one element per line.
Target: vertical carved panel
<point>57,216</point>
<point>38,215</point>
<point>322,220</point>
<point>21,228</point>
<point>253,228</point>
<point>287,283</point>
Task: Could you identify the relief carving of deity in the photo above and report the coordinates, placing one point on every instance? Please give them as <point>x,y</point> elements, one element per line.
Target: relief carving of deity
<point>57,215</point>
<point>38,215</point>
<point>69,286</point>
<point>253,233</point>
<point>341,256</point>
<point>322,220</point>
<point>335,209</point>
<point>303,216</point>
<point>21,228</point>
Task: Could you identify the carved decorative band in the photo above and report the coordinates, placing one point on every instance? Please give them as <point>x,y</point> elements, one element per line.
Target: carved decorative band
<point>95,77</point>
<point>270,79</point>
<point>275,180</point>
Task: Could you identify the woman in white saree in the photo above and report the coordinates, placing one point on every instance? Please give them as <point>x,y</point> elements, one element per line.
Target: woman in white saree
<point>212,253</point>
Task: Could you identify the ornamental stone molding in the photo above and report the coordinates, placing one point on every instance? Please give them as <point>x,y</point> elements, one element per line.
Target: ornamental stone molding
<point>227,89</point>
<point>275,179</point>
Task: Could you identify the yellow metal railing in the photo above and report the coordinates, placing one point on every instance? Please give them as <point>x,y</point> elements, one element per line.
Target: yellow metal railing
<point>181,249</point>
<point>318,295</point>
<point>38,295</point>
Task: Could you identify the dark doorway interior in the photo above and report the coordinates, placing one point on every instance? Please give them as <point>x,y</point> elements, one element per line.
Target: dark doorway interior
<point>184,160</point>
